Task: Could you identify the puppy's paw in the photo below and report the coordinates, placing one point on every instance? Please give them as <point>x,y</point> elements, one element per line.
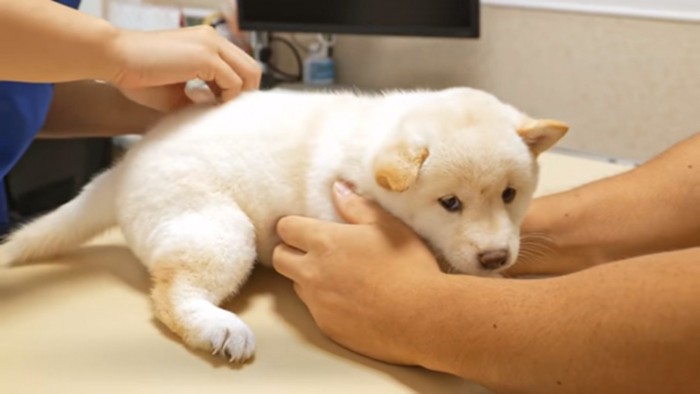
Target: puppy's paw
<point>223,333</point>
<point>236,342</point>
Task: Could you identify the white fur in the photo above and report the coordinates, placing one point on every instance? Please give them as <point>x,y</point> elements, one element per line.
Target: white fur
<point>198,198</point>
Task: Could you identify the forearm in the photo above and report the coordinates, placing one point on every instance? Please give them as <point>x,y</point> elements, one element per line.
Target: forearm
<point>91,109</point>
<point>650,209</point>
<point>631,326</point>
<point>48,42</point>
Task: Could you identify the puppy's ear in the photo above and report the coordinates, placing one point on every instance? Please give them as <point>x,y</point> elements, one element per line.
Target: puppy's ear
<point>396,167</point>
<point>541,135</point>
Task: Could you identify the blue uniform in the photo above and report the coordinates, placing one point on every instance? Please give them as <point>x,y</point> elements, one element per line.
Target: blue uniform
<point>23,109</point>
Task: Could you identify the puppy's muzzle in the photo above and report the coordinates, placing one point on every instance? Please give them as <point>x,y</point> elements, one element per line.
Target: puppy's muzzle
<point>493,259</point>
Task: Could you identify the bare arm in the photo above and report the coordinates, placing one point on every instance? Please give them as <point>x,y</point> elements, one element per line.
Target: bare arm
<point>49,42</point>
<point>627,327</point>
<point>91,109</point>
<point>650,209</point>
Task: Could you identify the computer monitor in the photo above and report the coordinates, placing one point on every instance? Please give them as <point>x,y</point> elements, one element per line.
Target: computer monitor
<point>432,18</point>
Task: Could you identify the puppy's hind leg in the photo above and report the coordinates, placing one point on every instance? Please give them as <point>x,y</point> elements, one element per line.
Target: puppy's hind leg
<point>197,259</point>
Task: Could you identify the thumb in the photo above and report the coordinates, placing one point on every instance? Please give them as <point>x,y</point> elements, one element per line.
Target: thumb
<point>354,208</point>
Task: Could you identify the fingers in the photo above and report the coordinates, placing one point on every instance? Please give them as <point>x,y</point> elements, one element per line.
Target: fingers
<point>288,261</point>
<point>301,232</point>
<point>235,72</point>
<point>227,80</point>
<point>356,209</point>
<point>234,62</point>
<point>168,57</point>
<point>245,66</point>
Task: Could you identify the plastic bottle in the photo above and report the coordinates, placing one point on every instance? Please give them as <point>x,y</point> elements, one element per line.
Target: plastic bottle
<point>319,66</point>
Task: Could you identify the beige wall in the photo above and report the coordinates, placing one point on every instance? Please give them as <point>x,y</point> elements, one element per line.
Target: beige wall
<point>629,87</point>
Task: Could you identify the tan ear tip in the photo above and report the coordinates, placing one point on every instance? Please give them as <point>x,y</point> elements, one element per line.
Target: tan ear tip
<point>556,124</point>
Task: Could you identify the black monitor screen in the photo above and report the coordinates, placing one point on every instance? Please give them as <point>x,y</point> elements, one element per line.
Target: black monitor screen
<point>448,18</point>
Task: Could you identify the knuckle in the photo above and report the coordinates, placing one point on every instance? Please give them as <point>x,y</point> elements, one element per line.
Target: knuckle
<point>305,278</point>
<point>324,241</point>
<point>207,74</point>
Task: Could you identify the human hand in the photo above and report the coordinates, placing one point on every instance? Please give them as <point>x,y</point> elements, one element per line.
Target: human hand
<point>540,251</point>
<point>151,68</point>
<point>363,282</point>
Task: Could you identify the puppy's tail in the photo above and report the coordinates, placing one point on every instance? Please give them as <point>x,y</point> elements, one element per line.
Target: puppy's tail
<point>87,215</point>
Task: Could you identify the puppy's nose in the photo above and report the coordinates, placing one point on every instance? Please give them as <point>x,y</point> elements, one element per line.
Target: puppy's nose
<point>493,259</point>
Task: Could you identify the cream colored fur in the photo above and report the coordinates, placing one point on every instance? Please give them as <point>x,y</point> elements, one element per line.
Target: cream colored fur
<point>198,198</point>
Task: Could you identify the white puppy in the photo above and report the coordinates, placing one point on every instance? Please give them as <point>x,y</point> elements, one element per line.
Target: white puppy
<point>198,198</point>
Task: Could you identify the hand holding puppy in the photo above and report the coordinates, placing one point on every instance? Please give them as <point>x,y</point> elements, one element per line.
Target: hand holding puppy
<point>359,280</point>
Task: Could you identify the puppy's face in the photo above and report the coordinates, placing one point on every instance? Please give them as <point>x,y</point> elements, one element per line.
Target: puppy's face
<point>461,170</point>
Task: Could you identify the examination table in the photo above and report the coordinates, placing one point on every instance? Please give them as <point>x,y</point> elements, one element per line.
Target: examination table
<point>82,324</point>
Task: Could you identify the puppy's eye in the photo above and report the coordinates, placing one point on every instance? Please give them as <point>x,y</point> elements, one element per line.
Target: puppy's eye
<point>451,203</point>
<point>509,195</point>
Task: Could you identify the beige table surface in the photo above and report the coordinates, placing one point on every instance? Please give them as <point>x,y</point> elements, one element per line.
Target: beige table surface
<point>82,324</point>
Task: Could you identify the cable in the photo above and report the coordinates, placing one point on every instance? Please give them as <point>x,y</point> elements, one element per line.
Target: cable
<point>288,77</point>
